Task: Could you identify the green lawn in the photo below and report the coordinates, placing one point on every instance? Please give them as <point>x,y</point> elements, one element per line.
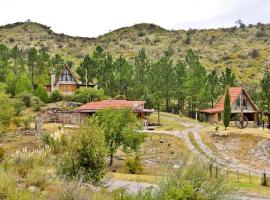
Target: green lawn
<point>166,124</point>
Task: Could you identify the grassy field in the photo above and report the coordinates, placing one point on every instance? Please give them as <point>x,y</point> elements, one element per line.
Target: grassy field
<point>166,124</point>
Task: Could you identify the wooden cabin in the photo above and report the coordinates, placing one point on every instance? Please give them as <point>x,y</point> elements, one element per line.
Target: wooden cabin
<point>250,110</point>
<point>65,82</point>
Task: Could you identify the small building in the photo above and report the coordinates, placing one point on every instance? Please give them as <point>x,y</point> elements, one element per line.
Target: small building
<point>136,107</point>
<point>250,110</point>
<point>65,82</point>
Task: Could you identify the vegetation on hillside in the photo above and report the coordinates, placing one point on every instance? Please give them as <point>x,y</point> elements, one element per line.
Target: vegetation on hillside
<point>245,47</point>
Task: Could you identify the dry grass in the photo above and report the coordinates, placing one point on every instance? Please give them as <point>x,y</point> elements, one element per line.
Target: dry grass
<point>158,153</point>
<point>240,144</point>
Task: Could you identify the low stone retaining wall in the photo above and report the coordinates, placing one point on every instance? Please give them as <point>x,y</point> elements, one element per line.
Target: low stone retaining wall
<point>59,116</point>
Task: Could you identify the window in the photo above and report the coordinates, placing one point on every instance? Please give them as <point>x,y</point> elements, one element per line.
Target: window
<point>66,76</point>
<point>219,116</point>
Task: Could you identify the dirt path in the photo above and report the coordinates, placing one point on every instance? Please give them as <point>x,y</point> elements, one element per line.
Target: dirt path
<point>195,128</point>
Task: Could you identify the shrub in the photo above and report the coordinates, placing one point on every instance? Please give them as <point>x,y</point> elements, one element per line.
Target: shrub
<point>37,103</point>
<point>57,145</point>
<point>190,181</point>
<point>37,177</point>
<point>84,95</point>
<point>26,122</point>
<point>18,106</point>
<point>2,154</point>
<point>47,138</point>
<point>26,99</point>
<point>42,94</point>
<point>133,165</point>
<point>55,96</point>
<point>86,154</point>
<point>120,97</point>
<point>7,110</point>
<point>23,85</point>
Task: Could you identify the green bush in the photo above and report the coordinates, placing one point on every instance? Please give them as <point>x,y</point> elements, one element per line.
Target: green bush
<point>84,95</point>
<point>86,154</point>
<point>55,96</point>
<point>120,97</point>
<point>36,103</point>
<point>133,165</point>
<point>18,106</point>
<point>26,99</point>
<point>42,94</point>
<point>190,182</point>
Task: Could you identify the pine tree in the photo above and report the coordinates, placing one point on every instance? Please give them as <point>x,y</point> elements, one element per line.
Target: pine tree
<point>227,109</point>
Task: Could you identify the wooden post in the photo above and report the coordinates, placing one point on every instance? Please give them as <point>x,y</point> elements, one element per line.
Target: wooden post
<point>216,171</point>
<point>210,170</point>
<point>264,179</point>
<point>227,174</point>
<point>158,116</point>
<point>249,176</point>
<point>237,175</point>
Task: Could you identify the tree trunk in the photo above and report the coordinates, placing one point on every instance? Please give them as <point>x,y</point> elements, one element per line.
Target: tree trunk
<point>111,159</point>
<point>269,120</point>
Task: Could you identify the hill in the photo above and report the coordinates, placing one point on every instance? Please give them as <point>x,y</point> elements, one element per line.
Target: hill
<point>245,47</point>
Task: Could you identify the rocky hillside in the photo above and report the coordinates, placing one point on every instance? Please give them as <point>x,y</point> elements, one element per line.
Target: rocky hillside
<point>246,48</point>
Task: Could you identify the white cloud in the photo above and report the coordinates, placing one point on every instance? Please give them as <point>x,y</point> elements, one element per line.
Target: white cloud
<point>92,18</point>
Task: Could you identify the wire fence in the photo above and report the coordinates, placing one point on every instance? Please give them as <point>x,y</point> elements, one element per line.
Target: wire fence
<point>262,178</point>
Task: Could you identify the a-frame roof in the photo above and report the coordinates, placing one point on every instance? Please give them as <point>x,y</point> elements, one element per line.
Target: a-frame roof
<point>60,74</point>
<point>234,94</point>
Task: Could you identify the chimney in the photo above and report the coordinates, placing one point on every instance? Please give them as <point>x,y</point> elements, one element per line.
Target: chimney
<point>52,82</point>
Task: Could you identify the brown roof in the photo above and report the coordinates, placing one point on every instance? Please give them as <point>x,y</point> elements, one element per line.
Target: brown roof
<point>114,104</point>
<point>234,93</point>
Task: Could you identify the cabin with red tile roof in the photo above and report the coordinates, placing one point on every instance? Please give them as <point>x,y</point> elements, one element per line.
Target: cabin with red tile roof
<point>136,107</point>
<point>250,110</point>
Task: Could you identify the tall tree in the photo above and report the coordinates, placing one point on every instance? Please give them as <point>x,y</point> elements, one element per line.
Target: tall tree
<point>87,70</point>
<point>31,62</point>
<point>161,79</point>
<point>23,85</point>
<point>227,109</point>
<point>227,78</point>
<point>265,93</point>
<point>57,64</point>
<point>180,78</point>
<point>195,85</point>
<point>4,61</point>
<point>121,130</point>
<point>213,82</point>
<point>141,67</point>
<point>124,73</point>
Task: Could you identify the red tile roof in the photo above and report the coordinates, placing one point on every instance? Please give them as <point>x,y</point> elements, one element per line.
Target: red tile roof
<point>114,104</point>
<point>234,93</point>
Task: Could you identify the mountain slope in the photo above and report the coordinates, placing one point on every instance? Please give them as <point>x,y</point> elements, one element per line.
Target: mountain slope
<point>239,48</point>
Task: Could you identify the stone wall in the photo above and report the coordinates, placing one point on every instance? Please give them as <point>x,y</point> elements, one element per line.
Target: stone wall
<point>60,116</point>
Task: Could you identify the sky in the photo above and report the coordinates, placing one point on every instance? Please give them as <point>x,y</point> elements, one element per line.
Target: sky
<point>91,18</point>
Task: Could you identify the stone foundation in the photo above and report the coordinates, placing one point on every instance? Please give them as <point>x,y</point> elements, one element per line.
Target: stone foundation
<point>59,116</point>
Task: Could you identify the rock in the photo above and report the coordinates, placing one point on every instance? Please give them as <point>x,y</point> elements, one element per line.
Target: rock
<point>33,189</point>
